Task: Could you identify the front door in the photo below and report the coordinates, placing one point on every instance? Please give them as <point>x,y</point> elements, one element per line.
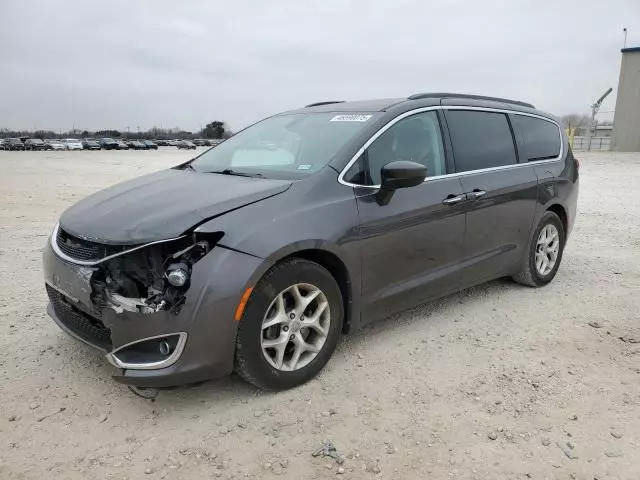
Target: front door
<point>412,245</point>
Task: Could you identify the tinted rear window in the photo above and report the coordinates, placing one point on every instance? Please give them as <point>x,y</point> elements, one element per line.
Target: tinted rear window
<point>480,139</point>
<point>541,138</point>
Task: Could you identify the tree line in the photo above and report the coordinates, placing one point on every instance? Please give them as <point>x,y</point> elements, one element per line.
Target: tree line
<point>213,130</point>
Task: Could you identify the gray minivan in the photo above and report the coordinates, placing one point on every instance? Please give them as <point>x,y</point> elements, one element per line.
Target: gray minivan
<point>259,253</point>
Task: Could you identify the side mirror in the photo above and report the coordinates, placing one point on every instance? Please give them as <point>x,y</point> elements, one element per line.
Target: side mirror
<point>399,174</point>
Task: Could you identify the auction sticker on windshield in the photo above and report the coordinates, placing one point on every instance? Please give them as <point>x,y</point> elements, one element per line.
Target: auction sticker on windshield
<point>351,118</point>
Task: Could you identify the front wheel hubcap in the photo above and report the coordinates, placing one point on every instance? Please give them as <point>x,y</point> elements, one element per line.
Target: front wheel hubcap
<point>547,249</point>
<point>295,327</point>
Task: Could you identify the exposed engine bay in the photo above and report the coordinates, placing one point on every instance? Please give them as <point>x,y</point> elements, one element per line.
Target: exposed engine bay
<point>151,278</point>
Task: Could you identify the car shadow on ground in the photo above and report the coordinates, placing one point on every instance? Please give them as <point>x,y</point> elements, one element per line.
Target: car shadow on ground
<point>234,390</point>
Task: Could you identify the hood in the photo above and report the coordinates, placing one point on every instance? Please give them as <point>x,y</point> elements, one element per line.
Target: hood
<point>162,205</point>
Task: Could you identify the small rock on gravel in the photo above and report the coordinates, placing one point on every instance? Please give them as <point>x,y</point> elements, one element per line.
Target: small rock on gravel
<point>567,451</point>
<point>546,442</point>
<point>573,417</point>
<point>340,470</point>
<point>594,324</point>
<point>616,435</point>
<point>493,436</point>
<point>613,454</point>
<point>13,418</point>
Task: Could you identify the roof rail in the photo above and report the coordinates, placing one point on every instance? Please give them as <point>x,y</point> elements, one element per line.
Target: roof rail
<point>317,104</point>
<point>417,96</point>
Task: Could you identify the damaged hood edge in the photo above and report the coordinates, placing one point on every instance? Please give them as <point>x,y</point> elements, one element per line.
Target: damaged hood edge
<point>163,205</point>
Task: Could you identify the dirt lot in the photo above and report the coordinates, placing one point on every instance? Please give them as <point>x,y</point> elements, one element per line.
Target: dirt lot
<point>499,381</point>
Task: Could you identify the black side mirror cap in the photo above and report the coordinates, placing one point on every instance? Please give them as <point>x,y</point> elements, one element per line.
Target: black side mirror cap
<point>399,174</point>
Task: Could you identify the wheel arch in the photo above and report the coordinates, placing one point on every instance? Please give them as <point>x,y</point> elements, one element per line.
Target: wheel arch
<point>562,213</point>
<point>329,257</point>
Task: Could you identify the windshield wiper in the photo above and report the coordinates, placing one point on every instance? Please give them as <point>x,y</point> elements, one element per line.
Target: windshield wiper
<point>228,171</point>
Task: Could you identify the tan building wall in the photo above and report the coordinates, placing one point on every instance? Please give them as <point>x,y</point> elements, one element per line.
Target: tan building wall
<point>626,122</point>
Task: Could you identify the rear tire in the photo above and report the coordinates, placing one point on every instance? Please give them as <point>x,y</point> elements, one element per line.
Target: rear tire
<point>311,327</point>
<point>542,263</point>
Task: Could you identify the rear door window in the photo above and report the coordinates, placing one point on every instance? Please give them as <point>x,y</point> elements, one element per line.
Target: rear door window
<point>480,139</point>
<point>541,138</point>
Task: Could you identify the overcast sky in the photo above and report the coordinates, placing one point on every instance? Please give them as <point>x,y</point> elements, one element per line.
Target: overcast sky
<point>115,64</point>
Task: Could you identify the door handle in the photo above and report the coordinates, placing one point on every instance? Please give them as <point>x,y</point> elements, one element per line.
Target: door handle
<point>476,194</point>
<point>453,199</point>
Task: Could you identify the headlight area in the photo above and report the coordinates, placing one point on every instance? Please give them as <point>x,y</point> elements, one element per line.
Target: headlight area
<point>150,279</point>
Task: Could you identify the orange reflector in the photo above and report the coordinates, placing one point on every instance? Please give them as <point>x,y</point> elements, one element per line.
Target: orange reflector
<point>243,303</point>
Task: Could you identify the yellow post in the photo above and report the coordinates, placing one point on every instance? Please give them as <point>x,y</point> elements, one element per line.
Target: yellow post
<point>570,134</point>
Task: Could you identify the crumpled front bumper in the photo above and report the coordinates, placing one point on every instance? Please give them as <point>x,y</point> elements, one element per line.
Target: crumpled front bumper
<point>206,319</point>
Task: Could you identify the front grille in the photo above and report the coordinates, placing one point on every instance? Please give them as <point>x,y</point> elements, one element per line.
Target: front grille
<point>89,328</point>
<point>81,249</point>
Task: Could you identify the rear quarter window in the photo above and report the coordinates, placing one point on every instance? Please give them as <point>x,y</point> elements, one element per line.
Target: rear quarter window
<point>541,137</point>
<point>480,139</point>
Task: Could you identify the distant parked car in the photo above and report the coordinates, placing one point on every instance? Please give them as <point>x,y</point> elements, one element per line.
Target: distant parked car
<point>162,143</point>
<point>186,144</point>
<point>91,144</point>
<point>121,145</point>
<point>34,144</point>
<point>1,143</point>
<point>73,144</point>
<point>201,142</point>
<point>54,144</point>
<point>13,144</point>
<point>108,143</point>
<point>136,145</point>
<point>150,145</point>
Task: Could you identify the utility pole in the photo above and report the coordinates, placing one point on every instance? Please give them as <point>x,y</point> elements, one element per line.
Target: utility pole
<point>594,110</point>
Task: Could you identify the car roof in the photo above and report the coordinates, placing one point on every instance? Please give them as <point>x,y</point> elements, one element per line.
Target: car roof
<point>419,100</point>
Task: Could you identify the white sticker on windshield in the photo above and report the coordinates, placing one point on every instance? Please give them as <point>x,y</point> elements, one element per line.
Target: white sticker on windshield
<point>351,118</point>
<point>304,167</point>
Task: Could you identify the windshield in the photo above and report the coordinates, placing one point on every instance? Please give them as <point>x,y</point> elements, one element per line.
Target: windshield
<point>285,146</point>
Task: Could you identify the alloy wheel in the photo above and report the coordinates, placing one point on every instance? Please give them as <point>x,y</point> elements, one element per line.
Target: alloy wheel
<point>547,248</point>
<point>295,327</point>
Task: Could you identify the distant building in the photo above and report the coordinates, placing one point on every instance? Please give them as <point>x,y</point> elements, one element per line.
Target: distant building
<point>603,131</point>
<point>626,122</point>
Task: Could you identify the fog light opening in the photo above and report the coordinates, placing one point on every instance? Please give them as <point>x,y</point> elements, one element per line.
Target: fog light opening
<point>164,347</point>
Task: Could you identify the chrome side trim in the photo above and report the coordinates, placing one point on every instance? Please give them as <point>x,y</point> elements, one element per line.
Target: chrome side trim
<point>167,362</point>
<point>392,122</point>
<point>63,256</point>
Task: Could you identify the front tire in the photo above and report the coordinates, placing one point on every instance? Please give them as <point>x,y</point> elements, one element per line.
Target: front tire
<point>290,326</point>
<point>545,252</point>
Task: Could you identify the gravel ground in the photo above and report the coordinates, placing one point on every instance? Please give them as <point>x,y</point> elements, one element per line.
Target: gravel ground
<point>496,382</point>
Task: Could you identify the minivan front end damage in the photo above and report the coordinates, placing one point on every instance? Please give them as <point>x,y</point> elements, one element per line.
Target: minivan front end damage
<point>121,302</point>
<point>142,279</point>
